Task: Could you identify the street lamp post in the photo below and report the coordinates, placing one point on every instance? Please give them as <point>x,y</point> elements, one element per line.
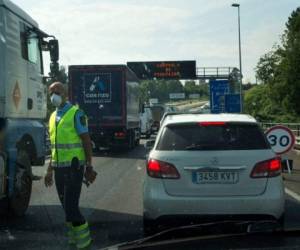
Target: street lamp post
<point>240,53</point>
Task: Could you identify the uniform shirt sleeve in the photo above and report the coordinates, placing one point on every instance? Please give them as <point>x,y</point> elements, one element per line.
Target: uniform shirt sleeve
<point>81,125</point>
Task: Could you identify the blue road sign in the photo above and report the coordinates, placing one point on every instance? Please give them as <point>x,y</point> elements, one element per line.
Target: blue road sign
<point>218,90</point>
<point>232,103</point>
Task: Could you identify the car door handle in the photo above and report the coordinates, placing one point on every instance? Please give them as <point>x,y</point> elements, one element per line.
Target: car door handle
<point>215,167</point>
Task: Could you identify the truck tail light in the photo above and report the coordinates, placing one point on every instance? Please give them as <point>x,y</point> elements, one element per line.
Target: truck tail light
<point>120,135</point>
<point>160,169</point>
<point>268,168</point>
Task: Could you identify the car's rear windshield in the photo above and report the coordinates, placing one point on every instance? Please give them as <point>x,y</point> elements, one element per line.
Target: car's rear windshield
<point>230,136</point>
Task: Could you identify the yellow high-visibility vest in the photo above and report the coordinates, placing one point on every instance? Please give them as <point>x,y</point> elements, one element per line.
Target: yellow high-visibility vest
<point>65,142</point>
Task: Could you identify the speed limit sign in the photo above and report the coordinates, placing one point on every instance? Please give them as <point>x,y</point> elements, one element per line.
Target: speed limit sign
<point>281,139</point>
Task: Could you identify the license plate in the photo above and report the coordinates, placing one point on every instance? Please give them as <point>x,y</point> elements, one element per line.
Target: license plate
<point>215,177</point>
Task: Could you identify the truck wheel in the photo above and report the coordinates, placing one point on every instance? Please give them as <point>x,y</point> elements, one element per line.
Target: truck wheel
<point>19,202</point>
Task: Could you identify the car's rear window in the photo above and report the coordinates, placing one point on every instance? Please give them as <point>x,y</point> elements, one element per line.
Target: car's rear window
<point>231,136</point>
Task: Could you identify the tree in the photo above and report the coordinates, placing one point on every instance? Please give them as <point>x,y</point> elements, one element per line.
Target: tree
<point>280,70</point>
<point>190,87</point>
<point>267,67</point>
<point>203,90</point>
<point>159,89</point>
<point>290,68</point>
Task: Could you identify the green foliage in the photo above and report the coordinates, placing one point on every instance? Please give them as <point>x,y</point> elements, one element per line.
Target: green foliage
<point>159,89</point>
<point>162,88</point>
<point>248,86</point>
<point>279,70</point>
<point>267,67</point>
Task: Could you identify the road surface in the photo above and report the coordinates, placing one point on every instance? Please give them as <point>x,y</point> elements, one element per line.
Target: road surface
<point>113,206</point>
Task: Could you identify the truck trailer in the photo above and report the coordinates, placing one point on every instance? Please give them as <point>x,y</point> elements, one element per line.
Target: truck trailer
<point>109,95</point>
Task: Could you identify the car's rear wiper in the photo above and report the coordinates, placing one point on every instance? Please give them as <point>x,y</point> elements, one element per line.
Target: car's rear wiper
<point>201,147</point>
<point>193,147</point>
<point>242,228</point>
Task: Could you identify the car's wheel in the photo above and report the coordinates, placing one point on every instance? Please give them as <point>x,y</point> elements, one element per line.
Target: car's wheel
<point>149,227</point>
<point>20,199</point>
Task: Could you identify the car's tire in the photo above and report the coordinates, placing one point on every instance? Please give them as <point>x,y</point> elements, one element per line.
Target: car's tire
<point>20,199</point>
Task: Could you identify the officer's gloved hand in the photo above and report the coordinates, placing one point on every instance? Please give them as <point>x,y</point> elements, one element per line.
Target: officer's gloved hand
<point>90,174</point>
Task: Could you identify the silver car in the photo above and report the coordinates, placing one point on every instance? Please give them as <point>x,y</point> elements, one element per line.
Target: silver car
<point>208,164</point>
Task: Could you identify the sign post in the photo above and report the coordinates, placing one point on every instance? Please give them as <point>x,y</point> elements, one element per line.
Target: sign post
<point>281,140</point>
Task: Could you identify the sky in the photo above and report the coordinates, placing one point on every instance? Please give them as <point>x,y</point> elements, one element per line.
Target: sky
<point>117,31</point>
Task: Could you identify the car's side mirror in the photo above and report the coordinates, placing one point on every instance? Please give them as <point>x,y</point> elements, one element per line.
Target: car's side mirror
<point>149,144</point>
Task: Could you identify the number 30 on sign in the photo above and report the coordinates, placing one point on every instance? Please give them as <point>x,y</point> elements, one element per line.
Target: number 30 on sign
<point>281,139</point>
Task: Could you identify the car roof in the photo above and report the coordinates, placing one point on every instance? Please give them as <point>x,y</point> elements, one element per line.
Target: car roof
<point>186,118</point>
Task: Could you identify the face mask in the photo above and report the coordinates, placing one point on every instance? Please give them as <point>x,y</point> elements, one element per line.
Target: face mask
<point>56,100</point>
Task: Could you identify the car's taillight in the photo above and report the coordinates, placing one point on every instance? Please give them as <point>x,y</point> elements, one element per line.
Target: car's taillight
<point>160,169</point>
<point>269,168</point>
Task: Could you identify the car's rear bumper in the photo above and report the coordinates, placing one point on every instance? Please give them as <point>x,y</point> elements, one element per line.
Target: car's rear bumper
<point>157,203</point>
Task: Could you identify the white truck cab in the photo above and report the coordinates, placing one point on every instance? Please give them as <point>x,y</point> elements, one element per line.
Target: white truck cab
<point>23,100</point>
<point>146,121</point>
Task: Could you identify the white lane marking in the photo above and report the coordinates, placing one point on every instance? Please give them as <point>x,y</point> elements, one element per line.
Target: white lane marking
<point>139,168</point>
<point>292,194</point>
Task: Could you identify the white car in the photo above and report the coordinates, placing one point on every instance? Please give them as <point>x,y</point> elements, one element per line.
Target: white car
<point>212,165</point>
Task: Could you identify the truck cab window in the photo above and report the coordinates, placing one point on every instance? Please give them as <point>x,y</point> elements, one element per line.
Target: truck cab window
<point>30,46</point>
<point>33,48</point>
<point>23,39</point>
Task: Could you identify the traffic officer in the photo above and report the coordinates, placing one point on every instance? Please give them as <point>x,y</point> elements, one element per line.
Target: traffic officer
<point>71,160</point>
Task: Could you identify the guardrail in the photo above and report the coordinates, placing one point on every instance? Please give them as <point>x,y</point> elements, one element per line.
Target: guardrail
<point>294,127</point>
